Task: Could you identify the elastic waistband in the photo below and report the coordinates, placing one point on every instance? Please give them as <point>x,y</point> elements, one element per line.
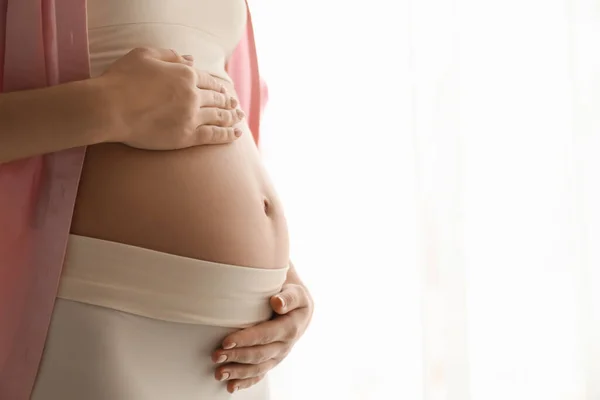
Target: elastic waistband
<point>166,287</point>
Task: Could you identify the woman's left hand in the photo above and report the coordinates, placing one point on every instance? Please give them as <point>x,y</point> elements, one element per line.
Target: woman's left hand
<point>247,355</point>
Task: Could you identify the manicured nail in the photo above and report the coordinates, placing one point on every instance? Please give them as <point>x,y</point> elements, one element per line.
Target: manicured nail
<point>234,102</point>
<point>188,57</point>
<point>282,302</point>
<point>229,346</point>
<point>222,358</point>
<point>237,132</point>
<point>224,376</point>
<point>240,113</point>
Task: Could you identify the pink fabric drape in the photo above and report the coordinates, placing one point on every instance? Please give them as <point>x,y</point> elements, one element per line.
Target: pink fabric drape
<point>250,88</point>
<point>43,43</point>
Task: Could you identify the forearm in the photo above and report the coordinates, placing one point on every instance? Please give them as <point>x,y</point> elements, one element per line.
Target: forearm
<point>41,121</point>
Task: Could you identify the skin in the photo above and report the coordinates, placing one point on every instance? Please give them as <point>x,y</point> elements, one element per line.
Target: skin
<point>200,112</point>
<point>246,356</point>
<point>257,349</point>
<point>106,109</point>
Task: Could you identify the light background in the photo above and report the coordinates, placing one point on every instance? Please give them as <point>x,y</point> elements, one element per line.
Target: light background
<point>438,164</point>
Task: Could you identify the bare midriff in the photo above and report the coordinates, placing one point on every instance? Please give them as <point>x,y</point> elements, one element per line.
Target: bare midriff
<point>211,202</point>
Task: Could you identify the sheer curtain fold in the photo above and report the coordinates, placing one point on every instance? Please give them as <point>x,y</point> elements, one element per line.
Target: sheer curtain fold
<point>585,74</point>
<point>435,51</point>
<point>438,162</point>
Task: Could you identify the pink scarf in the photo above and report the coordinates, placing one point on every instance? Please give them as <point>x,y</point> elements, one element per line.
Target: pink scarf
<point>43,43</point>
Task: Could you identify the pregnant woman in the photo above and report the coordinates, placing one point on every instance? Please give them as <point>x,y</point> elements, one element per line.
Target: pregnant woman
<point>178,252</point>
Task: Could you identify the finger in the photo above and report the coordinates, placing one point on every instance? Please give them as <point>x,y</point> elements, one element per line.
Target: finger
<point>241,384</point>
<point>251,355</point>
<point>280,329</point>
<point>290,298</point>
<point>184,59</point>
<point>243,371</point>
<point>168,55</point>
<point>219,116</point>
<point>211,134</point>
<point>189,59</point>
<point>205,81</point>
<point>211,98</point>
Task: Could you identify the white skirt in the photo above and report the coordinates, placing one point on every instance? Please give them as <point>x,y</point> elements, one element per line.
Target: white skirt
<point>136,324</point>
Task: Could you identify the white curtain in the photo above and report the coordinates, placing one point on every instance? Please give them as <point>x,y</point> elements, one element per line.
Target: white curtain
<point>439,163</point>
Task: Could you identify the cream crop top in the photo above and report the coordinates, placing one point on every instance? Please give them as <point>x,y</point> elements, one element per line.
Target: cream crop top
<point>209,30</point>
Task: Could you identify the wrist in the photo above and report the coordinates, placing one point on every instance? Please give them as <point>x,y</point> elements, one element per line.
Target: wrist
<point>102,110</point>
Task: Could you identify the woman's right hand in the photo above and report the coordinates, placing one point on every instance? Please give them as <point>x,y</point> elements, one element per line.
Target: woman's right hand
<point>157,101</point>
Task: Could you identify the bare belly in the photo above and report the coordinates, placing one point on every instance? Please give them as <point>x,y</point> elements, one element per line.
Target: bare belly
<point>213,203</point>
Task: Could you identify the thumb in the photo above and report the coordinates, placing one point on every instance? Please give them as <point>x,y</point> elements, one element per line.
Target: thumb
<point>168,55</point>
<point>278,304</point>
<point>290,298</point>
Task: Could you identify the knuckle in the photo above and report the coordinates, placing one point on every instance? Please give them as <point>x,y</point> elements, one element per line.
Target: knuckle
<point>266,338</point>
<point>246,356</point>
<point>289,298</point>
<point>293,333</point>
<point>213,82</point>
<point>199,80</point>
<point>223,100</point>
<point>187,73</point>
<point>203,76</point>
<point>190,99</point>
<point>260,356</point>
<point>215,136</point>
<point>239,373</point>
<point>207,81</point>
<point>232,355</point>
<point>226,118</point>
<point>141,51</point>
<point>252,371</point>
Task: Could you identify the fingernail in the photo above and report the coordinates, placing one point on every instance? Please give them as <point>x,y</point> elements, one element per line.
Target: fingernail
<point>222,358</point>
<point>240,113</point>
<point>282,302</point>
<point>223,90</point>
<point>188,57</point>
<point>236,388</point>
<point>237,132</point>
<point>229,346</point>
<point>224,376</point>
<point>234,102</point>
